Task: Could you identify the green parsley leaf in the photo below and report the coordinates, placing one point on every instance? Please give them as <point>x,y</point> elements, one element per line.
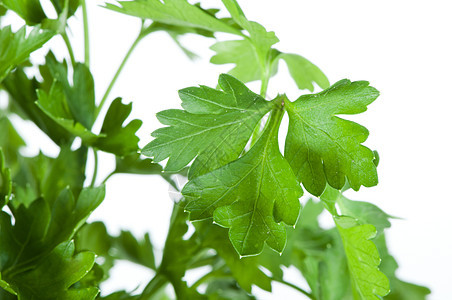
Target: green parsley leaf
<point>214,127</point>
<point>16,47</point>
<point>115,138</point>
<point>10,142</point>
<point>323,148</point>
<point>363,259</point>
<point>174,265</point>
<point>173,12</point>
<point>79,95</point>
<point>260,37</point>
<point>5,181</point>
<point>29,10</point>
<point>366,213</point>
<point>56,104</point>
<point>241,53</point>
<point>60,6</point>
<point>45,176</point>
<point>53,276</point>
<point>30,243</point>
<point>245,270</point>
<point>138,251</point>
<point>22,92</point>
<point>242,195</point>
<point>133,164</point>
<point>304,72</point>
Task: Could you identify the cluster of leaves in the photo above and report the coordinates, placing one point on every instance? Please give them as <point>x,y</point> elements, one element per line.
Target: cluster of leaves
<point>243,193</point>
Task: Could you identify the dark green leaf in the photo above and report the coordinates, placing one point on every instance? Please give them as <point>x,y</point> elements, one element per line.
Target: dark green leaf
<point>22,91</point>
<point>29,10</point>
<point>60,6</point>
<point>5,181</point>
<point>114,138</point>
<point>245,270</point>
<point>45,176</point>
<point>128,247</point>
<point>242,195</point>
<point>133,164</point>
<point>174,265</point>
<point>323,148</point>
<point>53,276</point>
<point>80,94</point>
<point>214,127</point>
<point>10,141</point>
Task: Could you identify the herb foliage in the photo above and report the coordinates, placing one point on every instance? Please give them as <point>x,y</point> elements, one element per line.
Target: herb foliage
<point>242,196</point>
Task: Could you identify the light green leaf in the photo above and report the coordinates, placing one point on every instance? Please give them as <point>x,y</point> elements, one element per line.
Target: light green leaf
<point>366,213</point>
<point>323,148</point>
<point>242,195</point>
<point>304,72</point>
<point>243,54</point>
<point>173,12</point>
<point>214,128</point>
<point>368,281</point>
<point>29,10</point>
<point>261,39</point>
<point>16,47</point>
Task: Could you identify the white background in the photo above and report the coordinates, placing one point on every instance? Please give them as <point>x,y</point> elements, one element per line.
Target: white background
<point>402,47</point>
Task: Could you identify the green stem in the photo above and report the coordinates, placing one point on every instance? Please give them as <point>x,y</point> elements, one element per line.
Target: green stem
<point>158,282</point>
<point>108,177</point>
<point>295,287</point>
<point>121,66</point>
<point>264,82</point>
<point>212,275</point>
<point>96,163</point>
<point>85,32</point>
<point>69,47</point>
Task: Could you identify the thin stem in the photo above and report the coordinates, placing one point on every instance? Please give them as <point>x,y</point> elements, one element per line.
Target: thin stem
<point>69,47</point>
<point>212,275</point>
<point>85,32</point>
<point>264,82</point>
<point>158,282</point>
<point>115,77</point>
<point>294,287</point>
<point>108,177</point>
<point>96,163</point>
